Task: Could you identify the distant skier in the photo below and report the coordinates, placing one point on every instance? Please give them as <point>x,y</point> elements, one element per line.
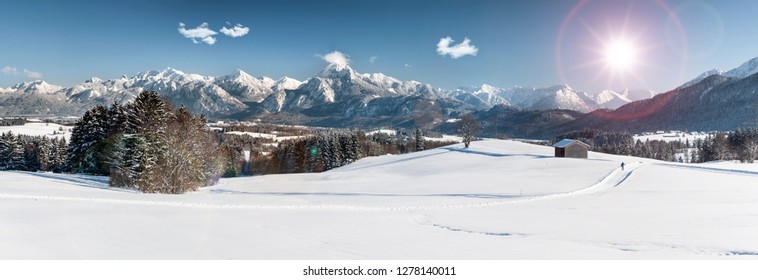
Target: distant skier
<point>622,165</point>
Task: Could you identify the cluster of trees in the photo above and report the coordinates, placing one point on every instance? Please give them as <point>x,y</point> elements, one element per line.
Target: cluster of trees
<point>11,122</point>
<point>323,150</point>
<point>32,153</point>
<point>146,145</point>
<point>318,153</point>
<point>741,144</point>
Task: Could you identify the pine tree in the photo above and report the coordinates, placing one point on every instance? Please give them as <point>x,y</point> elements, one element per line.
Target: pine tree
<point>327,156</point>
<point>86,153</point>
<point>44,151</point>
<point>61,157</point>
<point>116,120</point>
<point>16,156</point>
<point>31,151</point>
<point>5,150</point>
<point>420,142</point>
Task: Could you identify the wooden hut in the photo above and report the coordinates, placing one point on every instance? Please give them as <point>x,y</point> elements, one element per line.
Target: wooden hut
<point>571,148</point>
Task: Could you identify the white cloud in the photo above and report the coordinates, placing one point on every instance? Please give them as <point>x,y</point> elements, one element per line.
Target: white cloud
<point>372,59</point>
<point>407,65</point>
<point>7,70</point>
<point>202,32</point>
<point>336,58</point>
<point>209,40</point>
<point>32,74</point>
<point>455,51</point>
<point>236,31</point>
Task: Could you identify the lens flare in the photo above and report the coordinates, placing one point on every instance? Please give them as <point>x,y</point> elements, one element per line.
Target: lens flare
<point>620,55</point>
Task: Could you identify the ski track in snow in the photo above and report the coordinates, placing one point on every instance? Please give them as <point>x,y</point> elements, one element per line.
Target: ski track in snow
<point>499,234</point>
<point>608,182</point>
<point>711,169</point>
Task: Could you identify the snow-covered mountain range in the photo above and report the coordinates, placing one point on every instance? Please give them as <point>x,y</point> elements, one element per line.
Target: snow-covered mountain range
<point>224,95</point>
<point>555,97</point>
<point>337,90</point>
<point>204,94</point>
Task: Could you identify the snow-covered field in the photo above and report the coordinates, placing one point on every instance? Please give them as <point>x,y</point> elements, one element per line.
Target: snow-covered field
<point>444,138</point>
<point>274,137</point>
<point>496,200</point>
<point>39,129</point>
<point>386,131</point>
<point>670,137</point>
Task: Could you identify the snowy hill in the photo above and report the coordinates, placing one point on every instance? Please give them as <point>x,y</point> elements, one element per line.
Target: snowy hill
<point>496,200</point>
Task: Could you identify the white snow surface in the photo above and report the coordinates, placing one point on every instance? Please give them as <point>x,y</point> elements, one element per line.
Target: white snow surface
<point>670,137</point>
<point>274,137</point>
<point>495,200</point>
<point>385,131</point>
<point>444,138</point>
<point>51,130</point>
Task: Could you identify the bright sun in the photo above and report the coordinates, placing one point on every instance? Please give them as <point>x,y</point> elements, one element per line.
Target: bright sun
<point>620,55</point>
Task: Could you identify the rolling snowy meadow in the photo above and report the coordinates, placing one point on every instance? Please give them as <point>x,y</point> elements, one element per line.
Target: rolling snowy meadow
<point>496,200</point>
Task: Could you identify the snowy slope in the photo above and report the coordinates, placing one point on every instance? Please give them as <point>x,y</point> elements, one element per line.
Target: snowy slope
<point>745,69</point>
<point>612,100</point>
<point>245,87</point>
<point>497,200</point>
<point>701,77</point>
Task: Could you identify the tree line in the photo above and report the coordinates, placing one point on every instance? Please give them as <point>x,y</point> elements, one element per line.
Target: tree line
<point>12,122</point>
<point>741,144</point>
<point>32,153</point>
<point>327,149</point>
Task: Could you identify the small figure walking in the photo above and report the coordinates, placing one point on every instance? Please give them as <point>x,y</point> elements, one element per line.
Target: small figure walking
<point>622,165</point>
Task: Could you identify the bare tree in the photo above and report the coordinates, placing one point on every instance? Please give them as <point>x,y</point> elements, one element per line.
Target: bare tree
<point>468,127</point>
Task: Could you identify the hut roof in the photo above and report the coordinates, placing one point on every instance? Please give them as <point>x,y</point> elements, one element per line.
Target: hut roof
<point>565,142</point>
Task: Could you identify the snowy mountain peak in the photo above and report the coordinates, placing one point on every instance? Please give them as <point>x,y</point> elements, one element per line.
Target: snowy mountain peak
<point>559,88</point>
<point>702,76</point>
<point>240,73</point>
<point>748,68</point>
<point>37,86</point>
<point>93,80</point>
<point>335,70</point>
<point>286,83</point>
<point>489,89</point>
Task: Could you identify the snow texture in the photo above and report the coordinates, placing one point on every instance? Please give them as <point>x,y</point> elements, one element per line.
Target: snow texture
<point>495,200</point>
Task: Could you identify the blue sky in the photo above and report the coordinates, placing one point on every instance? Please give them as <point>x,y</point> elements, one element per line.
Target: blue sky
<point>517,42</point>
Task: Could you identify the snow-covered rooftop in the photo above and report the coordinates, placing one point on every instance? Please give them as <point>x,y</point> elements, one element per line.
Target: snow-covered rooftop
<point>565,142</point>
